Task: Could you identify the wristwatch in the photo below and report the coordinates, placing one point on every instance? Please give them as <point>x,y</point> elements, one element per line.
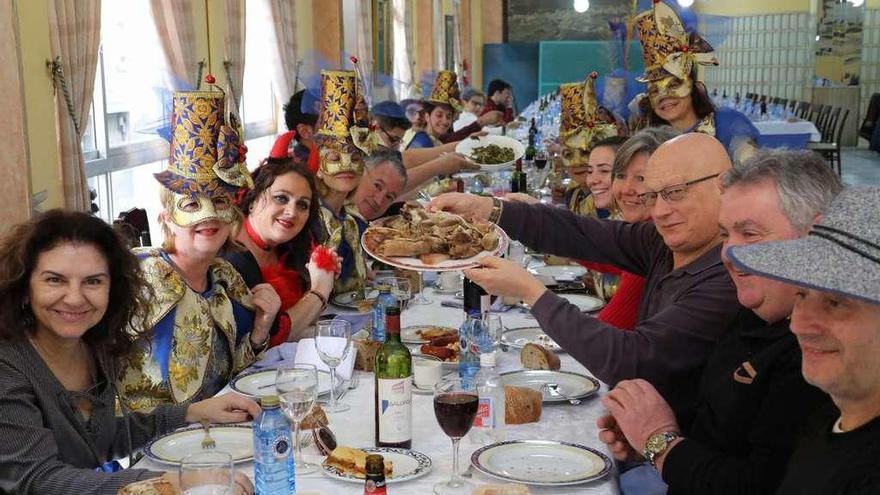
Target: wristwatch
<point>497,207</point>
<point>657,443</point>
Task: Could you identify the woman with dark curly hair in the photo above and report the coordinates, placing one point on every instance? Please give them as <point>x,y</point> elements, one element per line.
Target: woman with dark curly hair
<point>63,338</point>
<point>282,229</point>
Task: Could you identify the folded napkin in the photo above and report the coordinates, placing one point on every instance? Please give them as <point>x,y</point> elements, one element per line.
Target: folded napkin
<point>277,356</point>
<point>307,353</point>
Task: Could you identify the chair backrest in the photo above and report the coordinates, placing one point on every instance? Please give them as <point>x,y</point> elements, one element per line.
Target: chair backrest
<point>803,110</point>
<point>871,116</point>
<point>135,226</point>
<point>841,121</point>
<point>815,112</point>
<point>822,117</point>
<point>828,130</point>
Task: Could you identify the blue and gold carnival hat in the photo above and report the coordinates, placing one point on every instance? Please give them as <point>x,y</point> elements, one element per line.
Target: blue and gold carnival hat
<point>668,49</point>
<point>579,113</point>
<point>207,152</point>
<point>445,90</point>
<point>344,119</point>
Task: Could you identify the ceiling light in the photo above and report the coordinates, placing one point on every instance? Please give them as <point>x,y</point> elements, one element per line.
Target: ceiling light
<point>581,6</point>
<point>685,3</point>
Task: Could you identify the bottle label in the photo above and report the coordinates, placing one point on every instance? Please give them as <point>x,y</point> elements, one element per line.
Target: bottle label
<point>485,417</point>
<point>372,487</point>
<point>281,447</point>
<point>395,409</point>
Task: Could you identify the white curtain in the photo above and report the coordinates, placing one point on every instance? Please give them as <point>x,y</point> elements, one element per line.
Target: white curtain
<point>236,34</point>
<point>402,69</point>
<point>174,22</point>
<point>458,50</point>
<point>364,40</point>
<point>75,32</point>
<point>283,19</point>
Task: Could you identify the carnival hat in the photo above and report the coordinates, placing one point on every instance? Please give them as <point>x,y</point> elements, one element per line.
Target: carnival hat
<point>207,153</point>
<point>667,48</point>
<point>579,113</point>
<point>840,255</point>
<point>344,117</point>
<point>445,90</point>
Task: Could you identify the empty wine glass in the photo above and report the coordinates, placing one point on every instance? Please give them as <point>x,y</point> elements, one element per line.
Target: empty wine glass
<point>494,328</point>
<point>333,343</point>
<point>401,290</point>
<point>421,298</point>
<point>455,406</point>
<point>297,387</point>
<point>206,473</point>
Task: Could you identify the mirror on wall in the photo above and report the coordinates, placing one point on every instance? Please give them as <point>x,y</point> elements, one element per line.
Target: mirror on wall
<point>839,44</point>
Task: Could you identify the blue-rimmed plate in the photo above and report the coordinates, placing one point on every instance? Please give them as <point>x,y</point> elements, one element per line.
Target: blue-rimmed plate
<point>258,383</point>
<point>235,440</point>
<point>541,462</point>
<point>406,465</point>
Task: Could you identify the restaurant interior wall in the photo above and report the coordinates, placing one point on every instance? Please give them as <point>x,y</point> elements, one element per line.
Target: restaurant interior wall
<point>15,186</point>
<point>870,73</point>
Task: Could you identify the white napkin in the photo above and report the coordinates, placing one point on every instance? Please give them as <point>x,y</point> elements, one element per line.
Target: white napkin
<point>277,356</point>
<point>308,354</point>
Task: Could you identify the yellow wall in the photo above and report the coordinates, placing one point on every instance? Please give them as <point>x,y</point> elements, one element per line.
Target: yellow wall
<point>752,7</point>
<point>872,4</point>
<point>39,101</point>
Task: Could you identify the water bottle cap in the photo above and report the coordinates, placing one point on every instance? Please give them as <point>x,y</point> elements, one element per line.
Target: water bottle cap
<point>269,401</point>
<point>487,359</point>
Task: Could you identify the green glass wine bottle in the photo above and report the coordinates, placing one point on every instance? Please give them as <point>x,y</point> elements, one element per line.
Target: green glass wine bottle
<point>393,392</point>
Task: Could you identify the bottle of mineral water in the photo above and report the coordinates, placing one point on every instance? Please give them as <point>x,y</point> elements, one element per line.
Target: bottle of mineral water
<point>489,421</point>
<point>383,300</point>
<point>273,451</point>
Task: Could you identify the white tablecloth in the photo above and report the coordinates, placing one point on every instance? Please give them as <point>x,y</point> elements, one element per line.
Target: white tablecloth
<point>562,422</point>
<point>771,127</point>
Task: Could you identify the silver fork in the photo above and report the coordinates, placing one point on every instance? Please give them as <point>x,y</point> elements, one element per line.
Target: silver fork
<point>555,392</point>
<point>352,384</point>
<point>208,443</point>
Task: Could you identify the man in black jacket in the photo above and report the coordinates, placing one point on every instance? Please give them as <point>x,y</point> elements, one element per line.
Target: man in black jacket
<point>752,395</point>
<point>836,320</point>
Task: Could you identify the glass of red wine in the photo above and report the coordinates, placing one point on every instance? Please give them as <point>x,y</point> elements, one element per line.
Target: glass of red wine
<point>455,406</point>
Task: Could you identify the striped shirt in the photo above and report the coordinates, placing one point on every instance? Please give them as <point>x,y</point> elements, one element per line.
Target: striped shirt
<point>48,447</point>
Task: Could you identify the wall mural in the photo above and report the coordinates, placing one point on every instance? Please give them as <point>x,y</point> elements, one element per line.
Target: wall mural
<point>532,21</point>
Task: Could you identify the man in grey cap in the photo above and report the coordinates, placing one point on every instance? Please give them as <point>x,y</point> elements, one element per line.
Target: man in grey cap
<point>836,320</point>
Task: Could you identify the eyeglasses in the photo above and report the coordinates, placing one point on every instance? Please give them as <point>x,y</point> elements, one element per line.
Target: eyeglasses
<point>672,193</point>
<point>393,140</point>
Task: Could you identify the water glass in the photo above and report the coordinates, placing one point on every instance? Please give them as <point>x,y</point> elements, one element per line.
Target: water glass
<point>333,343</point>
<point>207,473</point>
<point>402,291</point>
<point>297,387</point>
<point>494,328</point>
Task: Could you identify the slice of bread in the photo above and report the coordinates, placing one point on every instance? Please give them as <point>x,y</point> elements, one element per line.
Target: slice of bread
<point>538,357</point>
<point>353,461</point>
<point>522,405</point>
<point>502,489</point>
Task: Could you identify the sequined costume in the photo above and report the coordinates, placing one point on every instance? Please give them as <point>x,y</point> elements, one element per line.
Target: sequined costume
<point>343,233</point>
<point>200,340</point>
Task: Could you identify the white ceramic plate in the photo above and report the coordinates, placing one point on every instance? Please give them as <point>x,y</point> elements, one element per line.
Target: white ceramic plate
<point>352,300</point>
<point>406,464</point>
<point>415,352</point>
<point>566,273</point>
<point>571,384</point>
<point>416,264</point>
<point>542,463</point>
<point>584,302</point>
<point>250,383</point>
<point>410,335</point>
<point>466,147</point>
<point>517,338</point>
<point>236,440</point>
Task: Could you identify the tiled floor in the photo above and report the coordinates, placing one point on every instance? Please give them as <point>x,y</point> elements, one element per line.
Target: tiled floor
<point>861,167</point>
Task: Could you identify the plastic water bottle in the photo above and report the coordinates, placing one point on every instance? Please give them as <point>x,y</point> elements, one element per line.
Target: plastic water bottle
<point>472,331</point>
<point>383,300</point>
<point>273,451</point>
<point>489,422</point>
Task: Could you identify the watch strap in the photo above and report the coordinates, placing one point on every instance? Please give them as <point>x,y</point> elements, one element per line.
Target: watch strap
<point>657,444</point>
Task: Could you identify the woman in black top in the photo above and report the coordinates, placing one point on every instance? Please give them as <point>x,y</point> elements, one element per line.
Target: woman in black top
<point>63,333</point>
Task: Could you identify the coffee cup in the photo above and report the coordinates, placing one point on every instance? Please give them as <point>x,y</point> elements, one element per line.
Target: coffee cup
<point>427,371</point>
<point>449,281</point>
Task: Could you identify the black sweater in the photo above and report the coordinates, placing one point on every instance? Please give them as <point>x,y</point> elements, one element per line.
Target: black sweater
<point>829,463</point>
<point>753,400</point>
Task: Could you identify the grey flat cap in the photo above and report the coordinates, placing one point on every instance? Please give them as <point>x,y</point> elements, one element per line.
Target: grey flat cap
<point>840,255</point>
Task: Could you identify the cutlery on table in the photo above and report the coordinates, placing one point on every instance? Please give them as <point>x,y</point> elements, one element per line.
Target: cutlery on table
<point>553,388</point>
<point>208,443</point>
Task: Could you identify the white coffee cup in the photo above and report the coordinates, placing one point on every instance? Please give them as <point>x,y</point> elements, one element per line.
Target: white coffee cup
<point>427,372</point>
<point>450,281</point>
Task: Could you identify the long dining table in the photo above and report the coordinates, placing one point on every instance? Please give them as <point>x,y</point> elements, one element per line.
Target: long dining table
<point>559,421</point>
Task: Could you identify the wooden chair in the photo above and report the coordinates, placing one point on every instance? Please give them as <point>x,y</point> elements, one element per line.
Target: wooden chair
<point>803,110</point>
<point>831,150</point>
<point>872,115</point>
<point>829,130</point>
<point>134,225</point>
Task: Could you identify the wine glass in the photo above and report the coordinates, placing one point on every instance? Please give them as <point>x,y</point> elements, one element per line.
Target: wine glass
<point>333,343</point>
<point>297,391</point>
<point>401,290</point>
<point>455,406</point>
<point>206,473</point>
<point>494,328</point>
<point>421,298</point>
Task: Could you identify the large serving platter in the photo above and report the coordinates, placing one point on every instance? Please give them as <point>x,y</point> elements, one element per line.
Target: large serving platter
<point>541,462</point>
<point>443,266</point>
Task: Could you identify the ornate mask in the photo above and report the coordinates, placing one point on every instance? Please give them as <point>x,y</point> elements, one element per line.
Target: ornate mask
<point>187,211</point>
<point>669,87</point>
<point>338,157</point>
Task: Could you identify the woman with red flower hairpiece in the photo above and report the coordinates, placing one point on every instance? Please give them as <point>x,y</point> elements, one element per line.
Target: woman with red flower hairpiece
<point>282,233</point>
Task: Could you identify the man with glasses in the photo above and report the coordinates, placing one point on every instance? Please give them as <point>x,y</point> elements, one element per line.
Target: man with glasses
<point>689,300</point>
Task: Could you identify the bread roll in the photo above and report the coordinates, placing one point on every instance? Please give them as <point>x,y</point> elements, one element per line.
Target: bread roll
<point>153,486</point>
<point>537,357</point>
<point>521,405</point>
<point>366,354</point>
